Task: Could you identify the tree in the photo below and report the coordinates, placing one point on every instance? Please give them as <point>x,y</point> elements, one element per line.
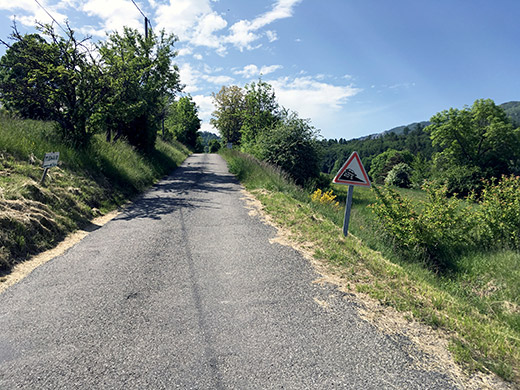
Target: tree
<point>183,120</point>
<point>384,162</point>
<point>292,145</point>
<point>142,80</point>
<point>228,116</point>
<point>55,79</point>
<point>261,112</point>
<point>399,176</point>
<point>214,146</point>
<point>480,140</point>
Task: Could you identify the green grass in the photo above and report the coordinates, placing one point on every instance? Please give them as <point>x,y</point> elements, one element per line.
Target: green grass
<point>86,183</point>
<point>479,304</point>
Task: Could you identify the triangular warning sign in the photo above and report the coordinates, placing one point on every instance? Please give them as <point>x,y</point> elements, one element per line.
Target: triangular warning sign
<point>352,173</point>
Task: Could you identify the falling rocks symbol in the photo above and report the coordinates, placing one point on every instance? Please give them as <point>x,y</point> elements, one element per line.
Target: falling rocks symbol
<point>350,175</point>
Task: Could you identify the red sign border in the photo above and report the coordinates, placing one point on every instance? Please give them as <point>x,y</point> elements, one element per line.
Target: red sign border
<point>344,168</point>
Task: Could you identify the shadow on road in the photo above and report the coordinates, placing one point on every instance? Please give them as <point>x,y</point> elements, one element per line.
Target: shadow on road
<point>180,190</point>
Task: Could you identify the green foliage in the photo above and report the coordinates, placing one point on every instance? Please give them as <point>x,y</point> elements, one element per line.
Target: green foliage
<point>183,120</point>
<point>259,174</point>
<point>214,146</point>
<point>434,232</point>
<point>499,213</point>
<point>252,118</point>
<point>384,162</point>
<point>421,170</point>
<point>399,176</point>
<point>124,92</point>
<point>336,152</point>
<point>53,79</point>
<point>512,109</point>
<point>207,137</point>
<point>442,228</point>
<point>97,177</point>
<point>141,79</point>
<point>291,145</point>
<point>261,112</point>
<point>480,139</point>
<point>228,115</point>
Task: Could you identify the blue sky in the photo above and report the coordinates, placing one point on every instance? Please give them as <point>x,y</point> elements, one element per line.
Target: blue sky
<point>354,67</point>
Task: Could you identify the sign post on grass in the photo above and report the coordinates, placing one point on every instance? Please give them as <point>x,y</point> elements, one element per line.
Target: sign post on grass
<point>50,160</point>
<point>352,173</point>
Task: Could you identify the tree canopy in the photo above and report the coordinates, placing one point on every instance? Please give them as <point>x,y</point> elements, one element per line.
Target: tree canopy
<point>123,90</point>
<point>142,80</point>
<point>183,121</point>
<point>52,79</point>
<point>228,115</point>
<point>479,140</point>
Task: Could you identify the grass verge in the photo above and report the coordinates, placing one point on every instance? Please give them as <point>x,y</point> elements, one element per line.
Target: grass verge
<point>478,306</point>
<point>85,184</point>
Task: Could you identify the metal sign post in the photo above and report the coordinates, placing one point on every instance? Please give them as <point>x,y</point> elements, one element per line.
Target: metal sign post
<point>346,220</point>
<point>352,173</point>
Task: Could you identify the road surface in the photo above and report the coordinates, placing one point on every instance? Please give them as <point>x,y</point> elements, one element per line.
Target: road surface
<point>184,290</point>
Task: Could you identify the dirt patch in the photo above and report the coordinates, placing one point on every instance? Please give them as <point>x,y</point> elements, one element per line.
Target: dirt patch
<point>433,344</point>
<point>23,269</point>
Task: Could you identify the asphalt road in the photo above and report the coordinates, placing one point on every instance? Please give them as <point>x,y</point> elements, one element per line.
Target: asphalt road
<point>184,290</point>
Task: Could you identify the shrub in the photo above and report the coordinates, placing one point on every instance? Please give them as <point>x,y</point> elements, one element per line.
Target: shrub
<point>399,176</point>
<point>499,213</point>
<point>214,146</point>
<point>291,145</point>
<point>326,198</point>
<point>435,232</point>
<point>383,163</point>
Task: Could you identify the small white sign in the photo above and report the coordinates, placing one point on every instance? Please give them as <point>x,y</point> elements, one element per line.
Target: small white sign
<point>51,159</point>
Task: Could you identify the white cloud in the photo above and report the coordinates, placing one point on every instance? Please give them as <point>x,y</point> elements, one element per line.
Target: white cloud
<point>184,51</point>
<point>250,71</point>
<point>206,27</point>
<point>206,107</point>
<point>190,77</point>
<point>115,14</point>
<point>181,16</point>
<point>193,78</point>
<point>271,35</point>
<point>197,56</point>
<point>312,98</point>
<point>192,21</point>
<point>244,32</point>
<point>218,80</point>
<point>28,12</point>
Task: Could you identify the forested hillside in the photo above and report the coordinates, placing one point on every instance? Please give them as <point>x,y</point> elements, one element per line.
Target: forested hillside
<point>484,138</point>
<point>411,138</point>
<point>512,110</point>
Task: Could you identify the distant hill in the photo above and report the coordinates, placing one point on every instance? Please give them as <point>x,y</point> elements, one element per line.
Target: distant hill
<point>405,129</point>
<point>410,137</point>
<point>512,110</point>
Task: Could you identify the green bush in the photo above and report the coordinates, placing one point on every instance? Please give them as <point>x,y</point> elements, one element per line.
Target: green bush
<point>499,213</point>
<point>435,232</point>
<point>214,146</point>
<point>383,163</point>
<point>292,146</point>
<point>399,176</point>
